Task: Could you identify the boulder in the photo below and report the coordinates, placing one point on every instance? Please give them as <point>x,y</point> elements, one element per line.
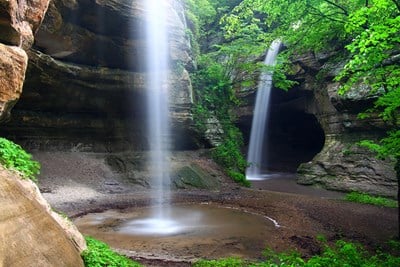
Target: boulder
<point>344,166</point>
<point>13,62</point>
<point>193,176</point>
<point>18,22</point>
<point>29,233</point>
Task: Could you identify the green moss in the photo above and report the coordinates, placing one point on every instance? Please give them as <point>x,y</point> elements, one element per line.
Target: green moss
<point>368,199</point>
<point>99,254</point>
<point>14,157</point>
<point>193,176</point>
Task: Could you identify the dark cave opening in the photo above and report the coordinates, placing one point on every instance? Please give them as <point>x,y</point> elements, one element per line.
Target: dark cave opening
<point>293,135</point>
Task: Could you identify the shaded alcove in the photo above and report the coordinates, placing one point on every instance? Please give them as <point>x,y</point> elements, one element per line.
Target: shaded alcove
<point>294,136</point>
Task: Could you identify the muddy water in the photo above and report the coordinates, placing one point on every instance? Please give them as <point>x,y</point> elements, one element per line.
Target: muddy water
<point>196,231</point>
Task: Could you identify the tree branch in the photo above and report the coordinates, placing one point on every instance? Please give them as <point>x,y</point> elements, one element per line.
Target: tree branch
<point>318,13</point>
<point>397,3</point>
<point>338,6</point>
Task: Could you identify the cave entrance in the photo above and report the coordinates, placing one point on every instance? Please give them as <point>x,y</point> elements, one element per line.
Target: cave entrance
<point>294,135</point>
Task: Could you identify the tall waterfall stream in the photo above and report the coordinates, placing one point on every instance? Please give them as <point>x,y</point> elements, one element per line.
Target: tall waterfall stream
<point>255,155</point>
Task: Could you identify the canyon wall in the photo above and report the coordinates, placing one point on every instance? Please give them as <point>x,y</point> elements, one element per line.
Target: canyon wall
<point>342,164</point>
<point>85,82</point>
<point>315,131</point>
<point>84,91</point>
<point>31,233</point>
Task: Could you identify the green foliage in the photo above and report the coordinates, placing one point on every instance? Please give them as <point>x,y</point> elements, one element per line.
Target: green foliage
<point>341,254</point>
<point>215,97</point>
<point>304,25</point>
<point>223,68</point>
<point>388,146</point>
<point>14,157</point>
<point>99,254</point>
<point>229,156</point>
<point>228,262</point>
<point>368,199</point>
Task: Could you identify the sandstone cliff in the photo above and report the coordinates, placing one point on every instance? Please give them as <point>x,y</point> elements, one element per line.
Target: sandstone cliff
<point>342,164</point>
<point>84,87</point>
<point>18,23</point>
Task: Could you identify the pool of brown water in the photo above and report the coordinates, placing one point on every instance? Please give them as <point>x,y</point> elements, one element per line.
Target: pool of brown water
<point>189,232</point>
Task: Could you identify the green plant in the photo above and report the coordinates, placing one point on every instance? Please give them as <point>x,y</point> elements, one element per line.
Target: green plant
<point>228,262</point>
<point>215,97</point>
<point>14,157</point>
<point>341,254</point>
<point>368,199</point>
<point>99,254</point>
<point>228,155</point>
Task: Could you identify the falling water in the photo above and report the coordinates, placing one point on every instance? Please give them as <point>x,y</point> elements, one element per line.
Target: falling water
<point>158,107</point>
<point>255,155</point>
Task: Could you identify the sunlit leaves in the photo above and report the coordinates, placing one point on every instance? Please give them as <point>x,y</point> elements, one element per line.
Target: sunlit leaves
<point>14,157</point>
<point>374,61</point>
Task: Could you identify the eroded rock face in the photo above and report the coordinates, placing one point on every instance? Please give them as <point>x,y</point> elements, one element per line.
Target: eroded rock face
<point>18,22</point>
<point>13,62</point>
<point>85,84</point>
<point>315,130</point>
<point>34,238</point>
<point>342,164</point>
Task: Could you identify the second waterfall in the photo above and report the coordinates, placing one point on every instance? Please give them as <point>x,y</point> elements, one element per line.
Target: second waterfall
<point>256,156</point>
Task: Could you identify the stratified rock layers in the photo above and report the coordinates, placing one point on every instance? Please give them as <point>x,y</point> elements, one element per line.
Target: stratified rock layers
<point>316,130</point>
<point>85,84</point>
<point>342,164</point>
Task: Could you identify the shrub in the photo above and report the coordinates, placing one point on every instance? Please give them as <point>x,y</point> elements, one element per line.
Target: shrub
<point>14,157</point>
<point>99,254</point>
<point>368,199</point>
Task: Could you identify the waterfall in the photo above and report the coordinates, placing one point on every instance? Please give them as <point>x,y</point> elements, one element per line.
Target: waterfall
<point>157,102</point>
<point>255,155</point>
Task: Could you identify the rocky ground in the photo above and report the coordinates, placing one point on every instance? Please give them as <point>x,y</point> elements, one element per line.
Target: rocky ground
<point>78,184</point>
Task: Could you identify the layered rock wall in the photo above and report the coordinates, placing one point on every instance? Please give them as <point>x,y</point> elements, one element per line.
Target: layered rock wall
<point>314,130</point>
<point>342,164</point>
<point>31,234</point>
<point>85,83</point>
